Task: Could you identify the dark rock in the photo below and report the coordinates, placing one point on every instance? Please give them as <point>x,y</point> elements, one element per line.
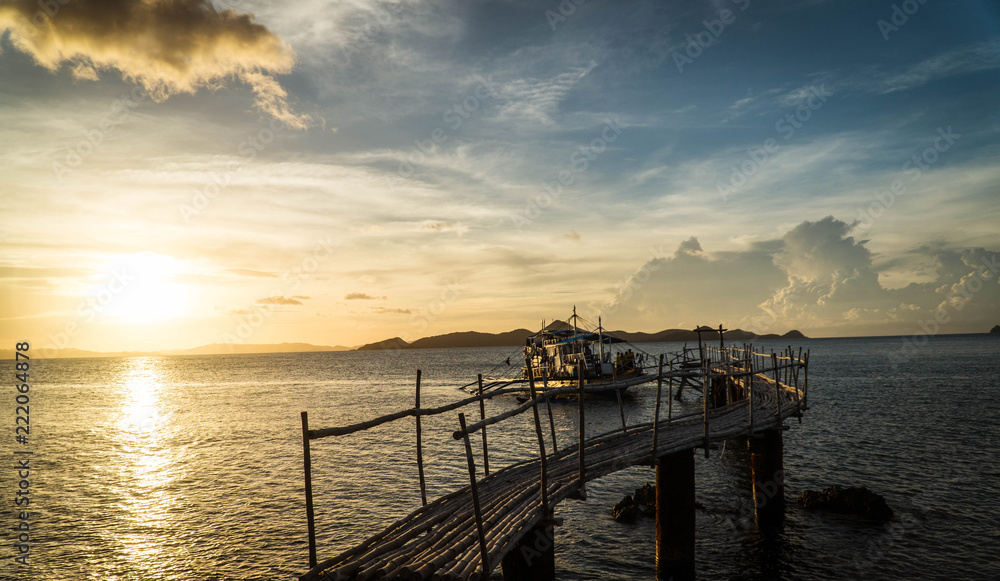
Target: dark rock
<point>995,330</point>
<point>645,496</point>
<point>642,503</point>
<point>626,511</point>
<point>856,500</point>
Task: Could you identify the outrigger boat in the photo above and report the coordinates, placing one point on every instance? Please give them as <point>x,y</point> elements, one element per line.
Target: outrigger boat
<point>560,352</point>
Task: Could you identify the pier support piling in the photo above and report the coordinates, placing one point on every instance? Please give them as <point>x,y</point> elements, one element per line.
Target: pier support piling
<point>767,466</point>
<point>675,516</point>
<point>533,558</point>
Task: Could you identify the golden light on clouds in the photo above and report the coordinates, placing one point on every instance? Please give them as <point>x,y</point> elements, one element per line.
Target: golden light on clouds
<point>167,47</point>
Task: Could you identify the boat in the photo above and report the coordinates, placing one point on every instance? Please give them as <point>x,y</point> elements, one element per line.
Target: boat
<point>561,354</point>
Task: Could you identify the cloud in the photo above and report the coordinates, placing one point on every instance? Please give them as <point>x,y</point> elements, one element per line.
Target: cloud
<point>963,60</point>
<point>361,297</point>
<point>574,236</point>
<point>388,311</point>
<point>166,47</point>
<point>439,226</point>
<point>817,278</point>
<point>278,301</point>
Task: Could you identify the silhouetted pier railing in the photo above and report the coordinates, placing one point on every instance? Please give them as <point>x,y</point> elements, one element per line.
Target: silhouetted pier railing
<point>497,520</point>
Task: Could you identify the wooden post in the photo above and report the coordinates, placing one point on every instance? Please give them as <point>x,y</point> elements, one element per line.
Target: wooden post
<point>750,388</point>
<point>798,404</point>
<point>766,465</point>
<point>541,447</point>
<point>307,466</point>
<point>420,448</point>
<point>777,385</point>
<point>533,558</point>
<point>621,410</point>
<point>704,400</point>
<point>482,416</point>
<point>552,425</point>
<point>656,413</point>
<point>805,382</point>
<point>701,347</point>
<point>670,391</point>
<point>675,516</point>
<point>484,552</point>
<point>583,430</point>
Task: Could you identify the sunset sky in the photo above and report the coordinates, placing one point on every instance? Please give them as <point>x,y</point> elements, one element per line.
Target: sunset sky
<point>177,173</point>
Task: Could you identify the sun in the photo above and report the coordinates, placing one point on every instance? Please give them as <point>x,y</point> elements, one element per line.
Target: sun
<point>142,288</point>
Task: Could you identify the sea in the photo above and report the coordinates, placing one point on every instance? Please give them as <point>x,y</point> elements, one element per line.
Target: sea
<point>190,467</point>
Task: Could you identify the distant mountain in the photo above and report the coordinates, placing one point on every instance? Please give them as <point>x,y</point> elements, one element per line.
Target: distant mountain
<point>995,329</point>
<point>213,349</point>
<point>518,336</point>
<point>460,339</point>
<point>391,344</point>
<point>224,348</point>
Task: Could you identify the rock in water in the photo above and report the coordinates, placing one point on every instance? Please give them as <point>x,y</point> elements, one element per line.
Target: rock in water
<point>995,329</point>
<point>856,500</point>
<point>642,503</point>
<point>645,496</point>
<point>626,510</point>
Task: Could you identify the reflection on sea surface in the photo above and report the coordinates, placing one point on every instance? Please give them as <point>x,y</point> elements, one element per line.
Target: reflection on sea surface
<point>178,468</point>
<point>145,465</point>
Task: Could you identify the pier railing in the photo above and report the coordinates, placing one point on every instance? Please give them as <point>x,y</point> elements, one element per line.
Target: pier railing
<point>466,534</point>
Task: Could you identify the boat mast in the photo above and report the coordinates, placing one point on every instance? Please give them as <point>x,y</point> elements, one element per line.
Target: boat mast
<point>600,337</point>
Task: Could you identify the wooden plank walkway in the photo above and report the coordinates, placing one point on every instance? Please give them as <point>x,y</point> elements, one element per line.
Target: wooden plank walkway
<point>441,540</point>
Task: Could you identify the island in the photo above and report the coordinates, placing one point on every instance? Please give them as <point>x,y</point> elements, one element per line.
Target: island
<point>518,336</point>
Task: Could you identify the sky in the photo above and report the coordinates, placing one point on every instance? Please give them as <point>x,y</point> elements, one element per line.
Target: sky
<point>179,173</point>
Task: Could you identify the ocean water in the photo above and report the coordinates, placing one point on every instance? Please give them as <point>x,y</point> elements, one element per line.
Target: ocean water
<point>190,468</point>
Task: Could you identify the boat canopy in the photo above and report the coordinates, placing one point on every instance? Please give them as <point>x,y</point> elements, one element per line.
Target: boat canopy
<point>589,337</point>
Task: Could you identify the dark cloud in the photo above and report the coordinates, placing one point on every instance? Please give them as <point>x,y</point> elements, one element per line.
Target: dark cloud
<point>167,47</point>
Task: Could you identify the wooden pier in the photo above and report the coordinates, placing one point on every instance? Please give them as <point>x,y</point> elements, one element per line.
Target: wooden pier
<point>506,518</point>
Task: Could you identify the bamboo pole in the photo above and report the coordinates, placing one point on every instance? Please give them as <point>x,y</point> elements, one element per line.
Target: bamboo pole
<point>307,468</point>
<point>482,416</point>
<point>750,391</point>
<point>621,410</point>
<point>583,431</point>
<point>656,413</point>
<point>805,382</point>
<point>552,425</point>
<point>798,404</point>
<point>777,385</point>
<point>420,448</point>
<point>704,400</point>
<point>473,428</point>
<point>475,497</point>
<point>360,426</point>
<point>541,448</point>
<point>670,392</point>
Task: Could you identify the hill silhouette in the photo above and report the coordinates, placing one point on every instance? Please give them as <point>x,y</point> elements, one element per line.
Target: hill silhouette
<point>518,336</point>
